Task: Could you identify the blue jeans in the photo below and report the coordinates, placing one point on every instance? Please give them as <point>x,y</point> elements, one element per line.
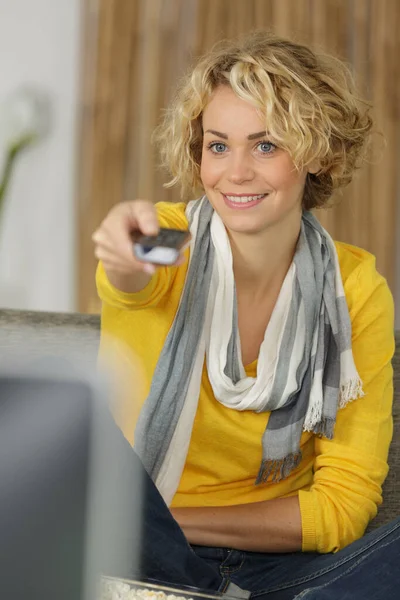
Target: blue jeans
<point>368,569</point>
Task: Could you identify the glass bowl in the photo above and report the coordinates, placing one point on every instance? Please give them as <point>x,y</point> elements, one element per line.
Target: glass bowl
<point>112,588</point>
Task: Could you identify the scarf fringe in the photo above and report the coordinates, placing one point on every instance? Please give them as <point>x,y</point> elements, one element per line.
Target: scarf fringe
<point>314,416</point>
<point>278,469</point>
<point>325,428</point>
<point>351,390</point>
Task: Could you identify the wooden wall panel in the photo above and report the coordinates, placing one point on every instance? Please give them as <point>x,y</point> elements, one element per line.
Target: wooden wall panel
<point>137,49</point>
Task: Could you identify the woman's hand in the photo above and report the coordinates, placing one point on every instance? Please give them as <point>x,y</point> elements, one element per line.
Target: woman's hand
<point>113,241</point>
<point>114,245</point>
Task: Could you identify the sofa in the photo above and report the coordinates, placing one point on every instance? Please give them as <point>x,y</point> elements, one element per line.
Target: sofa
<point>56,333</point>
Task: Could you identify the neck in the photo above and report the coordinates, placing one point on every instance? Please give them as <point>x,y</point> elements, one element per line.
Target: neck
<point>262,261</point>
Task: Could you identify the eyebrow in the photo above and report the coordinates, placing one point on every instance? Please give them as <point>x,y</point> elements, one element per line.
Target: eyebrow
<point>252,136</point>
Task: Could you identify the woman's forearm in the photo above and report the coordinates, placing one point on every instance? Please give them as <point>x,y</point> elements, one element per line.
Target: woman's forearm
<point>270,526</point>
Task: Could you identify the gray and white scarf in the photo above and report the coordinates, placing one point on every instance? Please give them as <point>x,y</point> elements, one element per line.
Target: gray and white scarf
<point>305,368</point>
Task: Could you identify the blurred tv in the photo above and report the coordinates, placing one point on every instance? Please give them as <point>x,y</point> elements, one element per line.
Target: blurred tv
<point>70,507</point>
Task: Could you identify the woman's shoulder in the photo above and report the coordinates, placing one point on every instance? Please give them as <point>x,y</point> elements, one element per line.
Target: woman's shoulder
<point>361,279</point>
<point>172,214</point>
<point>353,259</point>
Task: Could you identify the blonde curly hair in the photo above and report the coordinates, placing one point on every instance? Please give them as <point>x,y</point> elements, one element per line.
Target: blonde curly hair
<point>308,101</point>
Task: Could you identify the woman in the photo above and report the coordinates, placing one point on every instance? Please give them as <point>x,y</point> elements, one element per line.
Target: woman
<point>267,347</point>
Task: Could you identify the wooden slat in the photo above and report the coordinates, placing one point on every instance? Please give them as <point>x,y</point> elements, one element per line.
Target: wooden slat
<point>244,17</point>
<point>149,81</point>
<point>384,69</point>
<point>102,168</point>
<point>359,191</point>
<point>302,24</point>
<point>133,154</point>
<point>335,19</point>
<point>283,17</point>
<point>85,207</point>
<point>263,14</point>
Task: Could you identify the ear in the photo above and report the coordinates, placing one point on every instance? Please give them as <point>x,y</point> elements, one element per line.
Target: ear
<point>314,167</point>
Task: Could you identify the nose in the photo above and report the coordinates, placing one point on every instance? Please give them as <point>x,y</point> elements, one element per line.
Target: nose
<point>240,169</point>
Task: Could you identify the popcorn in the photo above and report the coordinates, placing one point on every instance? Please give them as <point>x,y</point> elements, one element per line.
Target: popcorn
<point>114,589</point>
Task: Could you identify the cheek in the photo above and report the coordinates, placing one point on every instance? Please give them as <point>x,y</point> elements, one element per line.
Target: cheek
<point>286,177</point>
<point>293,181</point>
<point>210,170</point>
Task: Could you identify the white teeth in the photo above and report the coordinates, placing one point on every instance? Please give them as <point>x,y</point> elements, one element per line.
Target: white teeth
<point>244,199</point>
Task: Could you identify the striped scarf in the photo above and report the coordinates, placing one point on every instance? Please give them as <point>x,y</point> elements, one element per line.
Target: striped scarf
<point>305,368</point>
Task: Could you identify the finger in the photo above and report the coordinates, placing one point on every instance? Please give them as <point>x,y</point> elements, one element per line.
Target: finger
<point>149,268</point>
<point>117,263</point>
<point>114,237</point>
<point>146,217</point>
<point>99,237</point>
<point>182,258</point>
<point>110,258</point>
<point>107,242</point>
<point>180,261</point>
<point>111,267</point>
<point>116,267</point>
<point>110,255</point>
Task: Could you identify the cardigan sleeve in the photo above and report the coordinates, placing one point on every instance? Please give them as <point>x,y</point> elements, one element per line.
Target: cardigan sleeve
<point>349,470</point>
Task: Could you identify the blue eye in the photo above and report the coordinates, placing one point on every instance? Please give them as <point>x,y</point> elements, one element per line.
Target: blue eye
<point>217,147</point>
<point>267,147</point>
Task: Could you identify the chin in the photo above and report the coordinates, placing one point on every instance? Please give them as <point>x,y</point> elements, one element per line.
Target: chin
<point>245,225</point>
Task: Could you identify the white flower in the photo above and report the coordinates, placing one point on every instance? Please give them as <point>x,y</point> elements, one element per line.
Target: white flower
<point>24,116</point>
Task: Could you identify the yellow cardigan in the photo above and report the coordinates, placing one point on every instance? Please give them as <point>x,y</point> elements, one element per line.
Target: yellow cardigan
<point>338,481</point>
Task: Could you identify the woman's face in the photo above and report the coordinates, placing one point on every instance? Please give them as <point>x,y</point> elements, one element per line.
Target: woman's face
<point>251,183</point>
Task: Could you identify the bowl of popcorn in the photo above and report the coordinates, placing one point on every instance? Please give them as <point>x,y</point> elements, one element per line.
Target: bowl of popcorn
<point>125,589</point>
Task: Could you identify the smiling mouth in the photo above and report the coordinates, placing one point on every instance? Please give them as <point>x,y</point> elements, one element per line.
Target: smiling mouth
<point>244,199</point>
